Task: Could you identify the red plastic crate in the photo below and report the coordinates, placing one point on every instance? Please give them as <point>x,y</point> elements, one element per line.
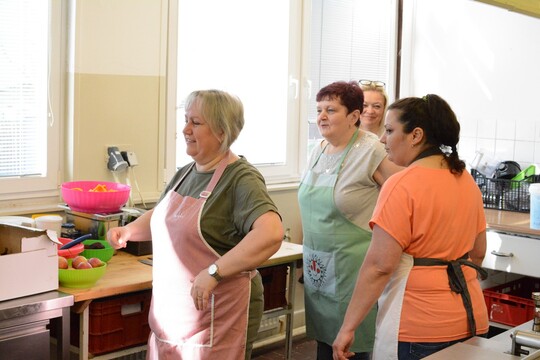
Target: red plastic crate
<point>274,280</point>
<point>116,323</point>
<point>511,303</point>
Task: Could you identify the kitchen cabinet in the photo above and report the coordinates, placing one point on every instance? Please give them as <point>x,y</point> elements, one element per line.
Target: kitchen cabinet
<point>512,253</point>
<point>513,249</point>
<point>512,246</point>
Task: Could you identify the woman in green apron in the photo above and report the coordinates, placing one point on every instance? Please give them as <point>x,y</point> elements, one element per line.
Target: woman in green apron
<point>337,196</point>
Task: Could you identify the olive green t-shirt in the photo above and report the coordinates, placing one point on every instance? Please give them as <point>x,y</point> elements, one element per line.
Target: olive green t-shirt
<point>238,199</point>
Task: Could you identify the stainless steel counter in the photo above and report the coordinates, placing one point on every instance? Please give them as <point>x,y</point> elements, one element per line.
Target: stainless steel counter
<point>23,325</point>
<point>498,347</point>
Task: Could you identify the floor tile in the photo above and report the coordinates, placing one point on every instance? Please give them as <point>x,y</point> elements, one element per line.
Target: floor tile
<point>303,349</point>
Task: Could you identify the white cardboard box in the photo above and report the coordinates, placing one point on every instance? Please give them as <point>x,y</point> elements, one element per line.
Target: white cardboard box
<point>28,261</point>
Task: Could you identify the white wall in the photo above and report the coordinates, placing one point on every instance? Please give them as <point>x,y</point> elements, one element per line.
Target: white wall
<point>484,60</point>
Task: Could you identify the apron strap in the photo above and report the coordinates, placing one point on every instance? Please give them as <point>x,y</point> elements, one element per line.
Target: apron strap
<point>345,151</point>
<point>217,175</point>
<point>175,186</point>
<point>213,182</point>
<point>428,152</point>
<point>456,280</point>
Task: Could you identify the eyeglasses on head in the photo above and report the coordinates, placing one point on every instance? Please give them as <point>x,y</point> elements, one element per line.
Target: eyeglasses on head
<point>371,82</point>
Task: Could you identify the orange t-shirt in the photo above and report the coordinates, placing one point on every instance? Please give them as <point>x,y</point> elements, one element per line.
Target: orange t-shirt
<point>432,213</point>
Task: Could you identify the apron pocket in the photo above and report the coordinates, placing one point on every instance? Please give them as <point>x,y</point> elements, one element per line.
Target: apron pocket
<point>319,271</point>
<point>179,323</point>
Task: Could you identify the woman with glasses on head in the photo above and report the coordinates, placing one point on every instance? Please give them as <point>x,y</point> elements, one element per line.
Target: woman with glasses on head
<point>337,196</point>
<point>375,100</point>
<point>429,241</point>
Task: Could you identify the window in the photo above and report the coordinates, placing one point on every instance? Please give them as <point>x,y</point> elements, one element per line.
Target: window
<point>275,56</point>
<point>30,33</point>
<point>254,57</point>
<point>351,40</point>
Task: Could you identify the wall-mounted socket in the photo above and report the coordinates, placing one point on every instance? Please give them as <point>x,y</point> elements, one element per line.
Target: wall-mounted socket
<point>115,161</point>
<point>121,147</point>
<point>130,158</point>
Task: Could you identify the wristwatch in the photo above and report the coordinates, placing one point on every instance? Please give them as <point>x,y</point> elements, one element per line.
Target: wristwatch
<point>213,271</point>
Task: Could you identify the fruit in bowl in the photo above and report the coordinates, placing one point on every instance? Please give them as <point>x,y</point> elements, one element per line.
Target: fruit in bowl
<point>84,265</point>
<point>100,249</point>
<point>95,197</point>
<point>82,275</point>
<point>94,245</point>
<point>78,260</point>
<point>62,263</point>
<point>95,262</point>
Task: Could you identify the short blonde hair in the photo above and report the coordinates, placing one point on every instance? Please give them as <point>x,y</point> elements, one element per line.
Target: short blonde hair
<point>379,89</point>
<point>373,87</point>
<point>223,112</point>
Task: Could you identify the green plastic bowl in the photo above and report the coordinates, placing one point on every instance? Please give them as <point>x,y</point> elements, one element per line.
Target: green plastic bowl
<point>80,278</point>
<point>102,254</point>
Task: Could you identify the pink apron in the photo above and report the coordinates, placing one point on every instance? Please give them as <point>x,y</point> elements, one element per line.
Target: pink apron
<point>179,331</point>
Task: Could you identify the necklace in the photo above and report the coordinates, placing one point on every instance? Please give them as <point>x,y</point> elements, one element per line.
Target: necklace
<point>329,162</point>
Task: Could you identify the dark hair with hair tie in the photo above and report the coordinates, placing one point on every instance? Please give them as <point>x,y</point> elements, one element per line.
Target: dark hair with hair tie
<point>432,114</point>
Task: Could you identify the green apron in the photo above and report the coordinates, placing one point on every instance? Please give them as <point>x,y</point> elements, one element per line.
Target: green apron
<point>334,249</point>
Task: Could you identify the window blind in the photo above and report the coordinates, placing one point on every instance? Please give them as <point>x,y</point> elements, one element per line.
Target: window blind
<point>351,40</point>
<point>23,87</point>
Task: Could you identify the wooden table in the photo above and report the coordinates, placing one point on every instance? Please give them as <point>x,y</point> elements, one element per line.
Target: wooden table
<point>126,274</point>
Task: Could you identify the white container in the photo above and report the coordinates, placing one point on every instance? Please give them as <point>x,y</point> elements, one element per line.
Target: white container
<point>50,222</point>
<point>534,190</point>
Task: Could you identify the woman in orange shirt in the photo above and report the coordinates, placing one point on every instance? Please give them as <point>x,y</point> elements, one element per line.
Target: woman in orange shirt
<point>429,240</point>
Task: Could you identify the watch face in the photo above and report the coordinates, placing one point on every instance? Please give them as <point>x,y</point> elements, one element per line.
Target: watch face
<point>213,271</point>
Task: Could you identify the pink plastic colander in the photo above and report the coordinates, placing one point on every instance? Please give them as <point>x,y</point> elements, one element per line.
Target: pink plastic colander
<point>86,201</point>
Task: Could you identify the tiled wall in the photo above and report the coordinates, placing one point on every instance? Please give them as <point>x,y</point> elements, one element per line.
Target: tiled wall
<point>486,68</point>
<point>505,139</point>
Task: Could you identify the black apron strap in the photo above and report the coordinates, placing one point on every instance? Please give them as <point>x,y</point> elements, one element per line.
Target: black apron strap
<point>434,150</point>
<point>456,280</point>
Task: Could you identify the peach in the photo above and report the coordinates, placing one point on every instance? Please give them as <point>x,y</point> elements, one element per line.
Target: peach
<point>77,260</point>
<point>83,265</point>
<point>95,262</point>
<point>62,263</point>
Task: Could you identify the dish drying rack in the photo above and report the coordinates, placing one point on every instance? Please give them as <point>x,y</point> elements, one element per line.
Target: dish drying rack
<point>503,194</point>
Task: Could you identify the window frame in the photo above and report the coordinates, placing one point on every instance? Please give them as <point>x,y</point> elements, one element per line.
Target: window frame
<point>300,94</point>
<point>290,171</point>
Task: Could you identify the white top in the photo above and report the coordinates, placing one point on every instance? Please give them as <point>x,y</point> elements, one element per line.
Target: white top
<point>356,191</point>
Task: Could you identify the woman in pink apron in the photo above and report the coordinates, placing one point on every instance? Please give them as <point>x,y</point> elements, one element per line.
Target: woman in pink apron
<point>214,225</point>
<point>429,240</point>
